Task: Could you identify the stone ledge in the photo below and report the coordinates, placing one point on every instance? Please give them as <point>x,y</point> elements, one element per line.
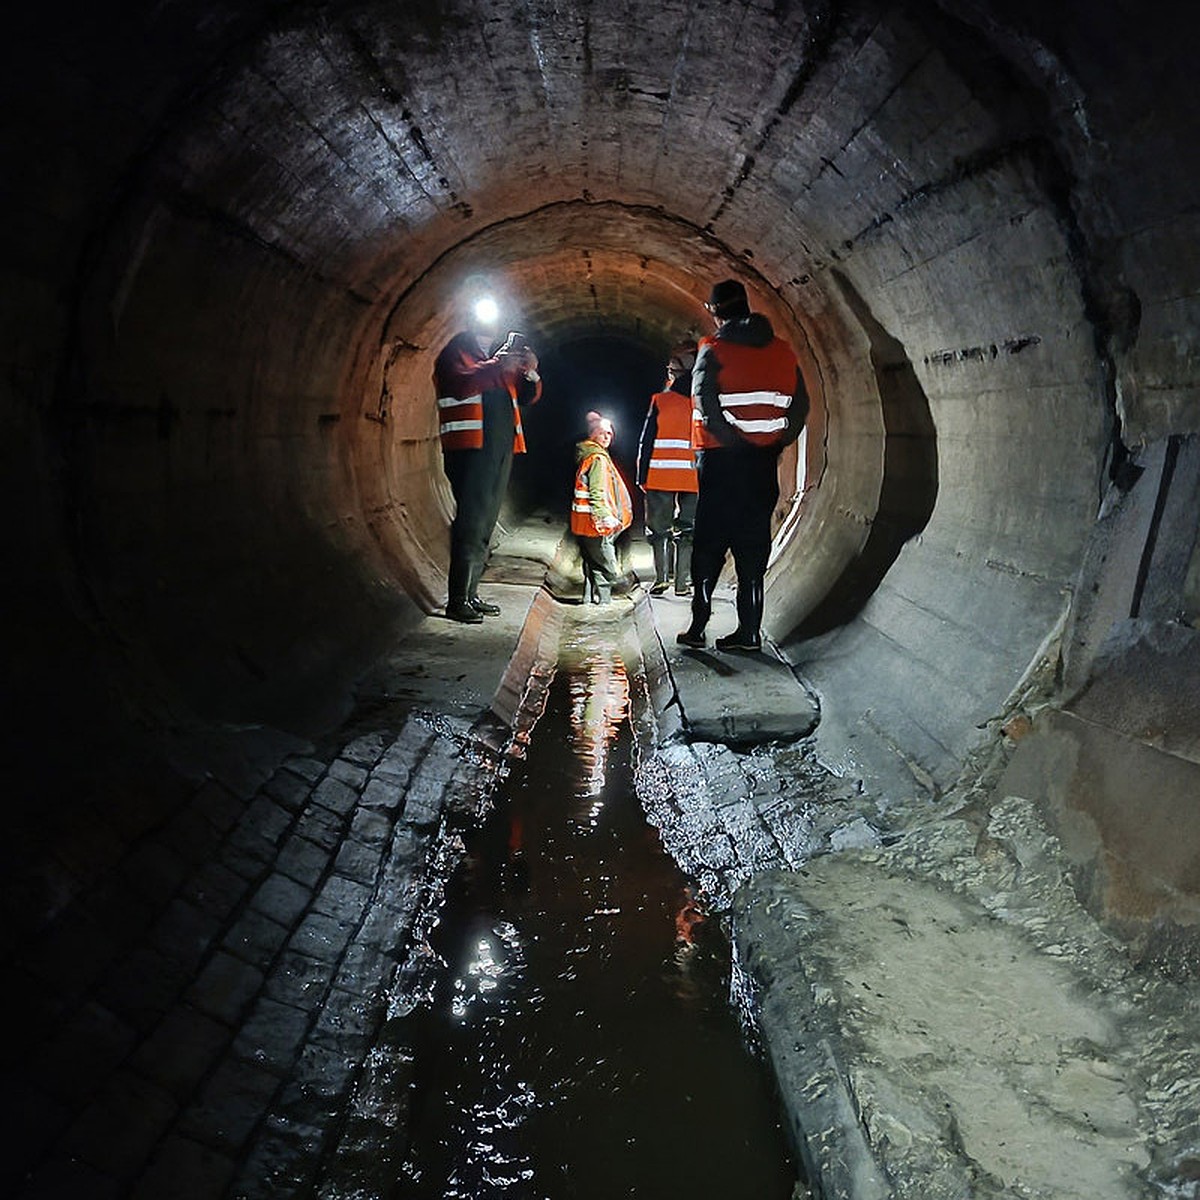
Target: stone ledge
<point>924,1048</point>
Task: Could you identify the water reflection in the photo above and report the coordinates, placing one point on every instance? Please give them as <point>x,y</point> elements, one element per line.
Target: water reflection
<point>599,707</point>
<point>582,1027</point>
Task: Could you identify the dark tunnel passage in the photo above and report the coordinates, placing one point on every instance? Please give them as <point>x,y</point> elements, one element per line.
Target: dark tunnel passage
<point>614,376</point>
<point>236,235</point>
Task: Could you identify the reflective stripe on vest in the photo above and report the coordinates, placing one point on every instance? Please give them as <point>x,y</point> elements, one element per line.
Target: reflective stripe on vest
<point>616,493</point>
<point>672,465</point>
<point>756,385</point>
<point>756,412</point>
<point>460,423</point>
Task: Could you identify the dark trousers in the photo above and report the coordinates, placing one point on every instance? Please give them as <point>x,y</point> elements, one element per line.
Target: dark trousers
<point>479,481</point>
<point>600,569</point>
<point>669,516</point>
<point>739,489</point>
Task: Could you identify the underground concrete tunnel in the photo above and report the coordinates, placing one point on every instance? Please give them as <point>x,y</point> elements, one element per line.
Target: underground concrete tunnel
<point>236,236</point>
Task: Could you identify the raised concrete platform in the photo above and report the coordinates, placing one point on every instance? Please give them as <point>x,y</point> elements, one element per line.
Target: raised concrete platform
<point>732,697</point>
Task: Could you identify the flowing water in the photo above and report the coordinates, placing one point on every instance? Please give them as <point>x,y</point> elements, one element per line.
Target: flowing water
<point>581,1041</point>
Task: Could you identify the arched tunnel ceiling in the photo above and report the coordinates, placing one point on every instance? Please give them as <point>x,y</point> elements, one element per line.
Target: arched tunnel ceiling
<point>259,218</point>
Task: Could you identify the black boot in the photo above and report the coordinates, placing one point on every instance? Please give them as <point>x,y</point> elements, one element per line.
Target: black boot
<point>701,611</point>
<point>482,607</point>
<point>683,566</point>
<point>662,574</point>
<point>459,608</point>
<point>747,635</point>
<point>462,610</point>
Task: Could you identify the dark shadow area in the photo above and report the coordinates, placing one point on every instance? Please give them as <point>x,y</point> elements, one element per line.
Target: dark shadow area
<point>614,376</point>
<point>910,475</point>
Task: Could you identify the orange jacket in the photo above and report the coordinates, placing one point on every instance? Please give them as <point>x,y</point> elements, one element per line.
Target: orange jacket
<point>701,438</point>
<point>460,377</point>
<point>670,460</point>
<point>613,503</point>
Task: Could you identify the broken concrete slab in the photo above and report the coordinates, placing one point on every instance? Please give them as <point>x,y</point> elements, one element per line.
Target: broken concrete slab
<point>736,698</point>
<point>1128,816</point>
<point>1145,685</point>
<point>991,1038</point>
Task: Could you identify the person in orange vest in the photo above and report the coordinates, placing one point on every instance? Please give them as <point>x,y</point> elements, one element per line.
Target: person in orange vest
<point>750,397</point>
<point>667,475</point>
<point>479,416</point>
<point>600,510</point>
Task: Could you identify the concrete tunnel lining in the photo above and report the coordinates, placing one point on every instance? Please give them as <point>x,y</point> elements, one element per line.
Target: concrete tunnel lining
<point>224,339</point>
<point>235,239</point>
<point>288,396</point>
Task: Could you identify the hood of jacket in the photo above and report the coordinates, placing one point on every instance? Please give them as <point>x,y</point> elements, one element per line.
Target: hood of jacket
<point>754,330</point>
<point>586,448</point>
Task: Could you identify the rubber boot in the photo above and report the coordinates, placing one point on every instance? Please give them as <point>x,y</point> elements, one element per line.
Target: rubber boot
<point>693,635</point>
<point>662,574</point>
<point>482,607</point>
<point>458,607</point>
<point>747,635</point>
<point>683,566</point>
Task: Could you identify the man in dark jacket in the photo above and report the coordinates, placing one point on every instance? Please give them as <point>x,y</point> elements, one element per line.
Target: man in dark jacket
<point>666,473</point>
<point>478,398</point>
<point>750,394</point>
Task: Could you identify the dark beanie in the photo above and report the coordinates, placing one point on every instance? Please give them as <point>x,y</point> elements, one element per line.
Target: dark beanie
<point>728,299</point>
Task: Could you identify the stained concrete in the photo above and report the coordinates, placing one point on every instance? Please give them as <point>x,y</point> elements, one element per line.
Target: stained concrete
<point>946,1020</point>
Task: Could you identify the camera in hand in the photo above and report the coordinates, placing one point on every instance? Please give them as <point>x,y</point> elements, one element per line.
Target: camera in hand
<point>514,341</point>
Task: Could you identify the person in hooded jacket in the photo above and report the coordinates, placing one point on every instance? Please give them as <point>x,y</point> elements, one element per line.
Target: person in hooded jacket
<point>600,510</point>
<point>667,475</point>
<point>751,401</point>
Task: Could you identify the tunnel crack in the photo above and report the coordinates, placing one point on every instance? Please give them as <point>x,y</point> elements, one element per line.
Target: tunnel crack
<point>824,25</point>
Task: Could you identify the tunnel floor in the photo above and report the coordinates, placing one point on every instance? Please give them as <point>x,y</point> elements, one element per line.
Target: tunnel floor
<point>242,1034</point>
<point>579,1039</point>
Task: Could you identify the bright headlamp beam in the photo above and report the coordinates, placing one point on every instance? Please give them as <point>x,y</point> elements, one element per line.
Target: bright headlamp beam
<point>487,311</point>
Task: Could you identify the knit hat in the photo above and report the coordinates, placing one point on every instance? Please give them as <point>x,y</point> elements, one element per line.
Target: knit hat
<point>728,299</point>
<point>598,424</point>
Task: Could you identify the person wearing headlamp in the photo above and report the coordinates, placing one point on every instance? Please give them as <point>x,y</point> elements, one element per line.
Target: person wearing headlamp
<point>750,401</point>
<point>480,392</point>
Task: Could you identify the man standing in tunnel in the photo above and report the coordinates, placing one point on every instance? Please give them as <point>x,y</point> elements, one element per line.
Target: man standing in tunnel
<point>667,474</point>
<point>479,397</point>
<point>751,401</point>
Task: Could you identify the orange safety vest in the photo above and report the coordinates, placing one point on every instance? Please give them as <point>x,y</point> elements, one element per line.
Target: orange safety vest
<point>672,465</point>
<point>460,416</point>
<point>757,385</point>
<point>701,438</point>
<point>583,521</point>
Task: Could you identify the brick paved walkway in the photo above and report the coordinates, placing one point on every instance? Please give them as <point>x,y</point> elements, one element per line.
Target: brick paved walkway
<point>217,1002</point>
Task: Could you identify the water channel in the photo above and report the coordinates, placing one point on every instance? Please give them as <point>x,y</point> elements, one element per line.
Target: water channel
<point>580,1040</point>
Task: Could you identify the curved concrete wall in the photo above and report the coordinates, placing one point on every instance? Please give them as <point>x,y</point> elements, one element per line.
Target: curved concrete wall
<point>241,233</point>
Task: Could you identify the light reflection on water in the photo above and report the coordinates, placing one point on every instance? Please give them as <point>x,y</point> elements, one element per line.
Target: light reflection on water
<point>599,708</point>
<point>581,1033</point>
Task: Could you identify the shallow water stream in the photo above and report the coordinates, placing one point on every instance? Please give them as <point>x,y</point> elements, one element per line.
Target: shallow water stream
<point>580,1041</point>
